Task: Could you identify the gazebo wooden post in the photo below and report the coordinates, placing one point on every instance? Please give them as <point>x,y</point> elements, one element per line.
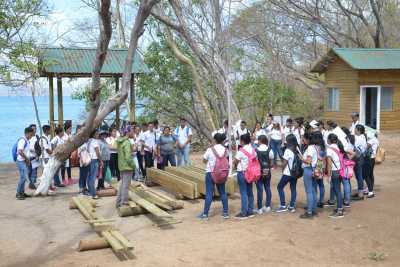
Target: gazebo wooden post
<point>51,103</point>
<point>117,119</point>
<point>60,101</point>
<point>132,103</point>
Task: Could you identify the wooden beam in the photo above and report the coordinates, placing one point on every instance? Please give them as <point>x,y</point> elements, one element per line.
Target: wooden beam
<point>132,103</point>
<point>117,115</point>
<point>150,207</point>
<point>173,183</point>
<point>60,102</point>
<point>151,198</point>
<point>189,175</point>
<point>51,104</point>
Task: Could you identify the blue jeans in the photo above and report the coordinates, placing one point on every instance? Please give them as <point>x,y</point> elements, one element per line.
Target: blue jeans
<point>32,175</point>
<point>168,158</point>
<point>246,194</point>
<point>319,184</point>
<point>23,176</point>
<point>264,182</point>
<point>309,186</point>
<point>182,155</point>
<point>336,185</point>
<point>209,194</point>
<point>293,192</point>
<point>359,174</point>
<point>276,148</point>
<point>83,176</point>
<point>56,178</point>
<point>93,171</point>
<point>347,190</point>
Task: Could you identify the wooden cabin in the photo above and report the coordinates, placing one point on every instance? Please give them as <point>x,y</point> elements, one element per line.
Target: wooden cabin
<point>366,81</point>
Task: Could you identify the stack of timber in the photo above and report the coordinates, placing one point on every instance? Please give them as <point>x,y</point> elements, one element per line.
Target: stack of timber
<point>174,183</point>
<point>109,236</point>
<point>197,175</point>
<point>146,200</point>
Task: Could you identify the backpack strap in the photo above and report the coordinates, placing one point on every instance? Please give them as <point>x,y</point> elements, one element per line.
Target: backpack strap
<point>337,153</point>
<point>216,154</point>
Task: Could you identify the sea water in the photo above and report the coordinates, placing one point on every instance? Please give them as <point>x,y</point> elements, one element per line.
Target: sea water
<point>17,112</point>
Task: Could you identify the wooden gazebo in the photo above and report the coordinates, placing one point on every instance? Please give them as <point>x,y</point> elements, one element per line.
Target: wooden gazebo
<point>78,63</point>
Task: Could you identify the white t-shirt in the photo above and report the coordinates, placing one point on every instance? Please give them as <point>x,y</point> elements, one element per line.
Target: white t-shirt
<point>288,130</point>
<point>289,157</point>
<point>330,153</point>
<point>259,133</point>
<point>341,135</point>
<point>242,158</point>
<point>311,151</point>
<point>82,148</point>
<point>210,157</point>
<point>46,145</point>
<point>360,143</point>
<point>268,127</point>
<point>149,139</point>
<point>56,141</point>
<point>263,148</point>
<point>298,132</point>
<point>111,144</point>
<point>23,144</point>
<point>32,152</point>
<point>275,135</point>
<point>353,127</point>
<point>92,145</point>
<point>182,134</point>
<point>374,142</point>
<point>238,133</point>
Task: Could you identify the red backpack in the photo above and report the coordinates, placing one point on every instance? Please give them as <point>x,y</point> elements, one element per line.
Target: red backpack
<point>253,171</point>
<point>221,168</point>
<point>346,165</point>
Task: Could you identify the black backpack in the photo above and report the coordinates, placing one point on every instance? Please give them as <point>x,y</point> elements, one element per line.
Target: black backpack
<point>297,170</point>
<point>38,147</point>
<point>263,158</point>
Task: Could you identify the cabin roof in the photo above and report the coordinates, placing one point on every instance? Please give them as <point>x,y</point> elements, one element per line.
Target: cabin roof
<point>78,62</point>
<point>361,59</point>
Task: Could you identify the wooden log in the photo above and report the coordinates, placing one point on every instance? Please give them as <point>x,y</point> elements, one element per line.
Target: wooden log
<point>131,210</point>
<point>98,243</point>
<point>153,199</point>
<point>174,203</point>
<point>82,208</point>
<point>110,192</point>
<point>72,204</point>
<point>189,175</point>
<point>114,243</point>
<point>150,207</point>
<point>122,239</point>
<point>173,183</point>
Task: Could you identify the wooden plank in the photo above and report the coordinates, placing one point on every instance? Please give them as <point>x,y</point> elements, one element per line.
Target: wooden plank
<point>173,183</point>
<point>82,208</point>
<point>189,175</point>
<point>114,243</point>
<point>174,203</point>
<point>153,199</point>
<point>150,207</point>
<point>125,242</point>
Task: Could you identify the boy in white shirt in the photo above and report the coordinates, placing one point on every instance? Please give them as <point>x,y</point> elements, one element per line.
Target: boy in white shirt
<point>23,162</point>
<point>183,135</point>
<point>149,142</point>
<point>56,141</point>
<point>355,120</point>
<point>34,158</point>
<point>373,144</point>
<point>242,130</point>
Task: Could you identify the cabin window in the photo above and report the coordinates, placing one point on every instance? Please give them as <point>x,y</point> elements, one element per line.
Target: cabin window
<point>387,98</point>
<point>333,99</point>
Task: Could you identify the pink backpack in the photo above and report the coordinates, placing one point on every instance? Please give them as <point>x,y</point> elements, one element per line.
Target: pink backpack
<point>346,165</point>
<point>253,171</point>
<point>221,168</point>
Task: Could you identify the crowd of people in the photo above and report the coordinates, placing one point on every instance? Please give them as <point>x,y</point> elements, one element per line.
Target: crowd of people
<point>307,150</point>
<point>123,154</point>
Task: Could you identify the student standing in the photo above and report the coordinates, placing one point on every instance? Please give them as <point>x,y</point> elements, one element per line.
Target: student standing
<point>45,144</point>
<point>22,161</point>
<point>373,145</point>
<point>288,128</point>
<point>95,163</point>
<point>149,141</point>
<point>239,132</point>
<point>299,129</point>
<point>268,124</point>
<point>126,167</point>
<point>210,158</point>
<point>183,135</point>
<point>310,160</point>
<point>241,163</point>
<point>333,167</point>
<point>67,164</point>
<point>166,148</point>
<point>33,158</point>
<point>105,158</point>
<point>319,183</point>
<point>360,148</point>
<point>292,148</point>
<point>264,155</point>
<point>113,152</point>
<point>276,141</point>
<point>258,131</point>
<point>355,120</point>
<point>55,142</point>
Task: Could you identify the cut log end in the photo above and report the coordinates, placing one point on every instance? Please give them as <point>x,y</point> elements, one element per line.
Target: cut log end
<point>98,243</point>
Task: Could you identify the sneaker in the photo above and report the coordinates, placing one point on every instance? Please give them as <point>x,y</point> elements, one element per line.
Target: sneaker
<point>281,209</point>
<point>365,192</point>
<point>20,196</point>
<point>32,186</point>
<point>251,214</point>
<point>26,195</point>
<point>202,217</point>
<point>266,209</point>
<point>291,209</point>
<point>329,204</point>
<point>337,214</point>
<point>357,198</point>
<point>96,197</point>
<point>320,205</point>
<point>225,216</point>
<point>346,205</point>
<point>306,215</point>
<point>371,195</point>
<point>60,185</point>
<point>240,216</point>
<point>260,211</point>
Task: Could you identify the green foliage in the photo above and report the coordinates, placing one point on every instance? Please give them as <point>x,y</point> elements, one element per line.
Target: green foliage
<point>256,95</point>
<point>106,89</point>
<point>166,90</point>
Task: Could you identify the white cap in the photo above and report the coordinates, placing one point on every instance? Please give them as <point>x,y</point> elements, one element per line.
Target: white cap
<point>314,124</point>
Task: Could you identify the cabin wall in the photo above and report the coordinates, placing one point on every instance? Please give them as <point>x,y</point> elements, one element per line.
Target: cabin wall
<point>390,120</point>
<point>340,75</point>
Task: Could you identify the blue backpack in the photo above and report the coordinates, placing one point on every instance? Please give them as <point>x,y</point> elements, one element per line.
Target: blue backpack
<point>14,148</point>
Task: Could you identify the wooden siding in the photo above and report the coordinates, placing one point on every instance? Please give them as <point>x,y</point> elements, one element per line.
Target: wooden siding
<point>340,75</point>
<point>390,120</point>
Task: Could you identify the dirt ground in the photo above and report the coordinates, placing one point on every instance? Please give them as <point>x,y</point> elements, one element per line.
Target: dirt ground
<point>45,232</point>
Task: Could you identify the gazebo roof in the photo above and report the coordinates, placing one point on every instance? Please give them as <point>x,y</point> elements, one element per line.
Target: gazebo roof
<point>78,62</point>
